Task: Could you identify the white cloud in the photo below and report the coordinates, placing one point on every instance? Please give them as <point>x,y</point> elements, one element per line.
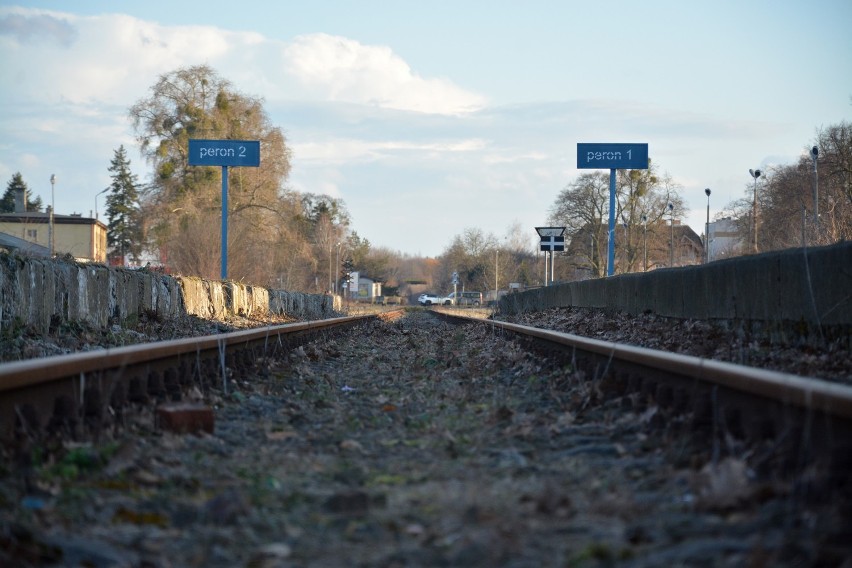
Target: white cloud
<point>112,57</point>
<point>108,58</point>
<point>344,70</point>
<point>349,150</point>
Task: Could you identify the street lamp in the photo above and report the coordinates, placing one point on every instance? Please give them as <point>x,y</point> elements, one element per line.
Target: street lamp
<point>496,270</point>
<point>671,222</point>
<point>814,156</point>
<point>337,268</point>
<point>755,174</point>
<point>330,277</point>
<point>707,229</point>
<point>52,207</point>
<point>645,243</point>
<point>101,193</point>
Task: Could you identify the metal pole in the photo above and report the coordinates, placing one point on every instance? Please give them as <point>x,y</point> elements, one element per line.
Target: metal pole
<point>707,229</point>
<point>814,155</point>
<point>52,208</point>
<point>671,246</point>
<point>755,174</point>
<point>545,268</point>
<point>610,267</point>
<point>496,270</point>
<point>224,222</point>
<point>337,268</point>
<point>551,265</point>
<point>592,253</point>
<point>754,215</point>
<point>645,243</point>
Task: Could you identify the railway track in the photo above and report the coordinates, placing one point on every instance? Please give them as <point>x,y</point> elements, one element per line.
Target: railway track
<point>802,425</point>
<point>88,387</point>
<point>812,416</point>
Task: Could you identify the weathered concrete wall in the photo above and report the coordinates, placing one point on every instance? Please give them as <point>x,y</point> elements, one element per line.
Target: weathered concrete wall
<point>216,300</point>
<point>314,306</point>
<point>812,286</point>
<point>39,293</point>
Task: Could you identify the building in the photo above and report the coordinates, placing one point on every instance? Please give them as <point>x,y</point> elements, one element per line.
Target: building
<point>725,239</point>
<point>587,251</point>
<point>688,248</point>
<point>364,289</point>
<point>83,238</point>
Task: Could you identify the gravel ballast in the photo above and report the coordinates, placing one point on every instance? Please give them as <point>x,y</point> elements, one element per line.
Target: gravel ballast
<point>412,443</point>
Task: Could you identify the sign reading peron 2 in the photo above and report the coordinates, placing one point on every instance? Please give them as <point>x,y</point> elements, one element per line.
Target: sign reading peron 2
<point>224,153</point>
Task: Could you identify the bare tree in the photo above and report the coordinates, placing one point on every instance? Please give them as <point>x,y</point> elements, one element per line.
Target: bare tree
<point>835,182</point>
<point>642,206</point>
<point>468,255</point>
<point>786,196</point>
<point>581,208</point>
<point>644,197</point>
<point>182,204</point>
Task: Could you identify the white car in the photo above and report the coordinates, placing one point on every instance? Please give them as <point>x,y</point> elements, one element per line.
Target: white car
<point>465,299</point>
<point>432,299</point>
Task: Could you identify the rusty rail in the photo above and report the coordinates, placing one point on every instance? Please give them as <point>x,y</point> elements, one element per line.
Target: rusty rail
<point>31,391</point>
<point>807,393</point>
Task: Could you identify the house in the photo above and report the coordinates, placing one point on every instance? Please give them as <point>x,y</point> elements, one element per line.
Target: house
<point>649,248</point>
<point>364,289</point>
<point>83,238</point>
<point>725,238</point>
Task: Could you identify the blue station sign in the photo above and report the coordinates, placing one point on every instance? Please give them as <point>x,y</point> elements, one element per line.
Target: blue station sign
<point>612,156</point>
<point>224,153</point>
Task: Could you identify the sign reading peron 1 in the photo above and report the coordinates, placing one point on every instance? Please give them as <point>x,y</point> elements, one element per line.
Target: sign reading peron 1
<point>224,153</point>
<point>612,156</point>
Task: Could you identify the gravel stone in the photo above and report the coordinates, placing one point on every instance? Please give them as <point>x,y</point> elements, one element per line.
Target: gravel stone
<point>413,443</point>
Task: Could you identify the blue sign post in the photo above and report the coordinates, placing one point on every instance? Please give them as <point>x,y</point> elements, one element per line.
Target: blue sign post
<point>614,157</point>
<point>224,153</point>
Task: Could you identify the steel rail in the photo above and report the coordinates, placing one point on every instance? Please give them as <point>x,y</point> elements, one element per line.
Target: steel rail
<point>35,386</point>
<point>21,374</point>
<point>805,392</point>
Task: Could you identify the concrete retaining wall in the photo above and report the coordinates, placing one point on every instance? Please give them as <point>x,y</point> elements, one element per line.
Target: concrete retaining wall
<point>41,293</point>
<point>811,286</point>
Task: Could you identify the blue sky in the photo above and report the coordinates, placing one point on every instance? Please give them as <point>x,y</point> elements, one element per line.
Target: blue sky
<point>427,118</point>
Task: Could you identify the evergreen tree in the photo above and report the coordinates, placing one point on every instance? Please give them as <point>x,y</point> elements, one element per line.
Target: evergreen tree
<point>7,203</point>
<point>122,202</point>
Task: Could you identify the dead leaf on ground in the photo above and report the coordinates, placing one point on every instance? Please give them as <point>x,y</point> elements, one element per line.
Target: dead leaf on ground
<point>723,484</point>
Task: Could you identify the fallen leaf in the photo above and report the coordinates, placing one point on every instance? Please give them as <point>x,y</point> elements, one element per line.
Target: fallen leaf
<point>281,435</point>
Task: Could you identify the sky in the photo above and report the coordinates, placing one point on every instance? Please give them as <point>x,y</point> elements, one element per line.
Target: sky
<point>430,118</point>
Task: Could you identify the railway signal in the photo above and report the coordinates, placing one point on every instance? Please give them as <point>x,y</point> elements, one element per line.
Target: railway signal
<point>552,240</point>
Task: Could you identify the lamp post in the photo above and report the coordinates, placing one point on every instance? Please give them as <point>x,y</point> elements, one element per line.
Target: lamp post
<point>96,200</point>
<point>707,229</point>
<point>330,277</point>
<point>496,270</point>
<point>671,247</point>
<point>814,156</point>
<point>337,268</point>
<point>645,243</point>
<point>755,174</point>
<point>52,206</point>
